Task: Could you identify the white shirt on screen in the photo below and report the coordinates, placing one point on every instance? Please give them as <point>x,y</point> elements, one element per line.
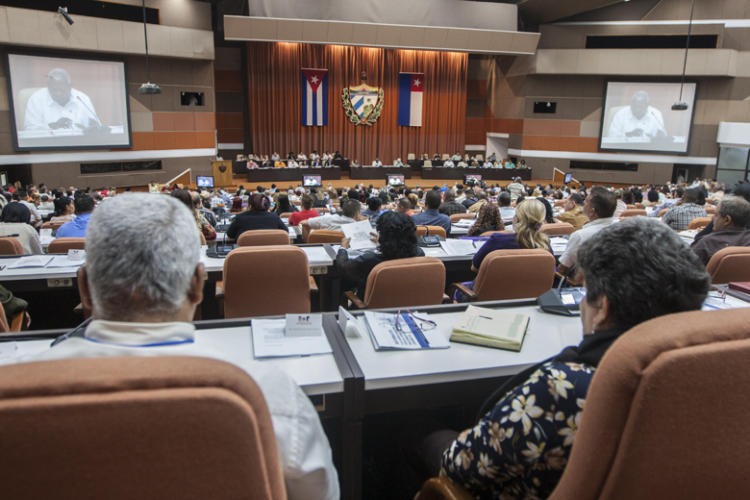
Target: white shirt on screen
<point>625,122</point>
<point>41,110</point>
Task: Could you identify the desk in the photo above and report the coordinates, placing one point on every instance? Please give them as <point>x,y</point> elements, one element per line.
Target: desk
<point>488,174</point>
<point>378,172</point>
<point>257,175</point>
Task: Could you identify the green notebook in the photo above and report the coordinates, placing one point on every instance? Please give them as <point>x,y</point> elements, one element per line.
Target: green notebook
<point>491,327</point>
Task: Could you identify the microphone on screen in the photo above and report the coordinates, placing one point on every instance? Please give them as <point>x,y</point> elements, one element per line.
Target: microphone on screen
<point>88,108</point>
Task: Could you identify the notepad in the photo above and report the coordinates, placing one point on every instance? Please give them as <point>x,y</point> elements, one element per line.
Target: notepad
<point>458,247</point>
<point>64,261</point>
<point>491,328</point>
<point>31,261</point>
<point>270,341</point>
<point>409,335</point>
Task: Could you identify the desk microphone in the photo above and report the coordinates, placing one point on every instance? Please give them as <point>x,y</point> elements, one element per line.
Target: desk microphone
<point>91,111</point>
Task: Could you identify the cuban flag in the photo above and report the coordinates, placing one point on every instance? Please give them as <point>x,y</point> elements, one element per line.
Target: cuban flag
<point>410,87</point>
<point>314,97</point>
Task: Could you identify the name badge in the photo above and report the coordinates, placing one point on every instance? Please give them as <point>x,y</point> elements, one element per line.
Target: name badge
<point>76,254</point>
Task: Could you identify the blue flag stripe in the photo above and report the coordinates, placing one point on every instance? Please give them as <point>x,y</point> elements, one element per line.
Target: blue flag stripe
<point>324,89</point>
<point>304,99</point>
<point>404,98</point>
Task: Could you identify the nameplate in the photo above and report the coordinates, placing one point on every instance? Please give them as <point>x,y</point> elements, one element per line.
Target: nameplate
<point>76,254</point>
<point>303,325</point>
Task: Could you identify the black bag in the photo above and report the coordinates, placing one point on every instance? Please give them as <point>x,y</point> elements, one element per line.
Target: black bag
<point>564,301</point>
<point>11,304</point>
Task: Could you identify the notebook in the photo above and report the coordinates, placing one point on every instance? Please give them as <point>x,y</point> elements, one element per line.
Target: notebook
<point>741,286</point>
<point>491,328</point>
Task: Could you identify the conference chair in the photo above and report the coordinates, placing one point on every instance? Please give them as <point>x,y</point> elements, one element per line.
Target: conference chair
<point>427,163</point>
<point>325,236</point>
<point>480,157</point>
<point>411,156</point>
<point>699,223</point>
<point>633,212</point>
<point>52,225</point>
<point>20,321</point>
<point>265,281</point>
<point>285,215</point>
<point>458,217</point>
<point>136,427</point>
<point>654,387</point>
<point>10,246</point>
<point>62,245</point>
<point>729,264</point>
<point>432,230</point>
<point>511,274</point>
<point>445,156</point>
<point>490,233</point>
<point>639,205</point>
<point>557,228</point>
<point>259,237</point>
<point>414,281</point>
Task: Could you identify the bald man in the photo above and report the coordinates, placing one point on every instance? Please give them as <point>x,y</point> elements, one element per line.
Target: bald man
<point>639,120</point>
<point>59,106</point>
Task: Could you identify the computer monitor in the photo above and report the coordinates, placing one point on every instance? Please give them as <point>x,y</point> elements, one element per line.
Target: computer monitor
<point>568,178</point>
<point>473,178</point>
<point>312,180</point>
<point>395,180</point>
<point>205,181</point>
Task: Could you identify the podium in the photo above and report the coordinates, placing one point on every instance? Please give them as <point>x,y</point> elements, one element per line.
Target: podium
<point>222,172</point>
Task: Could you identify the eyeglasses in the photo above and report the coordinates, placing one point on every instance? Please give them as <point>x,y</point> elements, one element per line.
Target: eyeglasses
<point>424,324</point>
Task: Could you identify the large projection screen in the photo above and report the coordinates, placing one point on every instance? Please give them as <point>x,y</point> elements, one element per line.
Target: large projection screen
<point>638,116</point>
<point>67,103</point>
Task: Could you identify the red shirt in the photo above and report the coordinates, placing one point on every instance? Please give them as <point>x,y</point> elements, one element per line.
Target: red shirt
<point>298,217</point>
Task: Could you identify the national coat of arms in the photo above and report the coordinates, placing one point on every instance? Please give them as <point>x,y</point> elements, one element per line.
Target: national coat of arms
<point>362,103</point>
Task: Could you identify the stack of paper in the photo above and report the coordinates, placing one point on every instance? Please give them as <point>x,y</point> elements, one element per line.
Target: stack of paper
<point>464,223</point>
<point>270,341</point>
<point>491,328</point>
<point>31,261</point>
<point>64,261</point>
<point>359,235</point>
<point>558,244</point>
<point>458,247</point>
<point>409,335</point>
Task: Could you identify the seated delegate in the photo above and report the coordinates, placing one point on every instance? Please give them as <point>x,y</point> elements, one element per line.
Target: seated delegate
<point>15,221</point>
<point>634,271</point>
<point>256,217</point>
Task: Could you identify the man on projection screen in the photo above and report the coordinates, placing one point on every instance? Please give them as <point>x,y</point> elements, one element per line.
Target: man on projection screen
<point>639,120</point>
<point>59,106</point>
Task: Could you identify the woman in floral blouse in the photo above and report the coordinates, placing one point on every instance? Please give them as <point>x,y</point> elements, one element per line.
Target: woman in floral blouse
<point>635,270</point>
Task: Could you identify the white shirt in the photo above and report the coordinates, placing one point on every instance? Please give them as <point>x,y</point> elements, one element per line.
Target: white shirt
<point>507,213</point>
<point>41,110</point>
<point>448,163</point>
<point>377,163</point>
<point>27,236</point>
<point>624,122</point>
<point>35,217</point>
<point>398,163</point>
<point>568,259</point>
<point>303,446</point>
<point>332,222</point>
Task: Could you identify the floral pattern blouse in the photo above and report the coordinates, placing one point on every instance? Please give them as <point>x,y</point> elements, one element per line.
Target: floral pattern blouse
<point>519,449</point>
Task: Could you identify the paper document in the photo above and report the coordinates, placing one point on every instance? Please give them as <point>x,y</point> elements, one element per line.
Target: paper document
<point>359,234</point>
<point>558,244</point>
<point>31,261</point>
<point>716,300</point>
<point>458,247</point>
<point>411,333</point>
<point>317,256</point>
<point>434,252</point>
<point>491,328</point>
<point>64,261</point>
<point>269,341</point>
<point>464,222</point>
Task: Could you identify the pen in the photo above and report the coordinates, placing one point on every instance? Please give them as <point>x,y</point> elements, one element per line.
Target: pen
<point>485,317</point>
<point>2,268</point>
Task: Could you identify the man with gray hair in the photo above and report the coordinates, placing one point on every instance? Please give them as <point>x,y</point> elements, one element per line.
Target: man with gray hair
<point>59,106</point>
<point>142,281</point>
<point>730,222</point>
<point>638,121</point>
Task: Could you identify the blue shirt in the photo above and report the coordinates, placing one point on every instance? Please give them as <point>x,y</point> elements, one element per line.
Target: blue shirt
<point>498,241</point>
<point>433,218</point>
<point>75,228</point>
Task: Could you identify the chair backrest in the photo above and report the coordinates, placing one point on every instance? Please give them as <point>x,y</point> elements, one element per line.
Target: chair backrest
<point>515,274</point>
<point>427,163</point>
<point>458,217</point>
<point>699,223</point>
<point>62,245</point>
<point>325,236</point>
<point>729,264</point>
<point>557,228</point>
<point>633,212</point>
<point>411,156</point>
<point>662,212</point>
<point>414,281</point>
<point>10,246</point>
<point>285,215</point>
<point>258,237</point>
<point>446,156</point>
<point>434,231</point>
<point>4,325</point>
<point>639,205</point>
<point>266,280</point>
<point>203,238</point>
<point>490,233</point>
<point>480,157</point>
<point>656,386</point>
<point>136,427</point>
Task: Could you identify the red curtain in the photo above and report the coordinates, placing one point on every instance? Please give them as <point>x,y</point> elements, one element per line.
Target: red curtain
<point>275,100</point>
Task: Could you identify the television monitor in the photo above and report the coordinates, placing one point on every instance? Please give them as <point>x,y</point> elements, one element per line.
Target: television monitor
<point>639,116</point>
<point>473,178</point>
<point>312,180</point>
<point>204,181</point>
<point>395,180</point>
<point>63,102</point>
<point>568,178</point>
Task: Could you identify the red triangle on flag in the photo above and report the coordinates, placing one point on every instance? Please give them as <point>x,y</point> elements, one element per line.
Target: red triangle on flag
<point>314,77</point>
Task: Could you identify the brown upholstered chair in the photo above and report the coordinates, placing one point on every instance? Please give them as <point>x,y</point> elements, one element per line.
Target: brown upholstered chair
<point>490,233</point>
<point>414,281</point>
<point>458,217</point>
<point>10,246</point>
<point>325,236</point>
<point>52,225</point>
<point>557,228</point>
<point>136,427</point>
<point>266,280</point>
<point>62,245</point>
<point>633,212</point>
<point>511,274</point>
<point>658,384</point>
<point>285,215</point>
<point>442,488</point>
<point>640,205</point>
<point>729,264</point>
<point>699,223</point>
<point>434,231</point>
<point>259,237</point>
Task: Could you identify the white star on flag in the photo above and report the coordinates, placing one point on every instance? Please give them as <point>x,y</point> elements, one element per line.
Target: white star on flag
<point>314,79</point>
<point>417,82</point>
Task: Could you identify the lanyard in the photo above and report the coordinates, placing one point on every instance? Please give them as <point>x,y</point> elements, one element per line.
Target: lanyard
<point>151,344</point>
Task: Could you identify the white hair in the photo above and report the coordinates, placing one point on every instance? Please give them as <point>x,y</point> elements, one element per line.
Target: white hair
<point>141,253</point>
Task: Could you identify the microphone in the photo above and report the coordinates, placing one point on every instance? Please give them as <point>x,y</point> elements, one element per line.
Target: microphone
<point>88,108</point>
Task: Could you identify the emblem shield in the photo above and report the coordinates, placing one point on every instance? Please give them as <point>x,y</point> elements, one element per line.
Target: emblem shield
<point>362,104</point>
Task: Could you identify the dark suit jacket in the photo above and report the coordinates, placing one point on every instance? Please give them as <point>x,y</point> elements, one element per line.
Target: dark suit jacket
<point>247,221</point>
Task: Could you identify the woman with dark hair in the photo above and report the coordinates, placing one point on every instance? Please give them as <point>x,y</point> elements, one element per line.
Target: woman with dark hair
<point>206,229</point>
<point>488,220</point>
<point>283,205</point>
<point>549,214</point>
<point>64,210</point>
<point>256,216</point>
<point>15,221</point>
<point>396,239</point>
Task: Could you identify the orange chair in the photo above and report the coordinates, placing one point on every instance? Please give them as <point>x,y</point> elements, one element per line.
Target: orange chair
<point>511,274</point>
<point>490,233</point>
<point>729,264</point>
<point>265,281</point>
<point>633,212</point>
<point>62,245</point>
<point>414,281</point>
<point>699,223</point>
<point>10,246</point>
<point>52,225</point>
<point>285,215</point>
<point>325,236</point>
<point>124,417</point>
<point>259,237</point>
<point>434,231</point>
<point>557,228</point>
<point>458,217</point>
